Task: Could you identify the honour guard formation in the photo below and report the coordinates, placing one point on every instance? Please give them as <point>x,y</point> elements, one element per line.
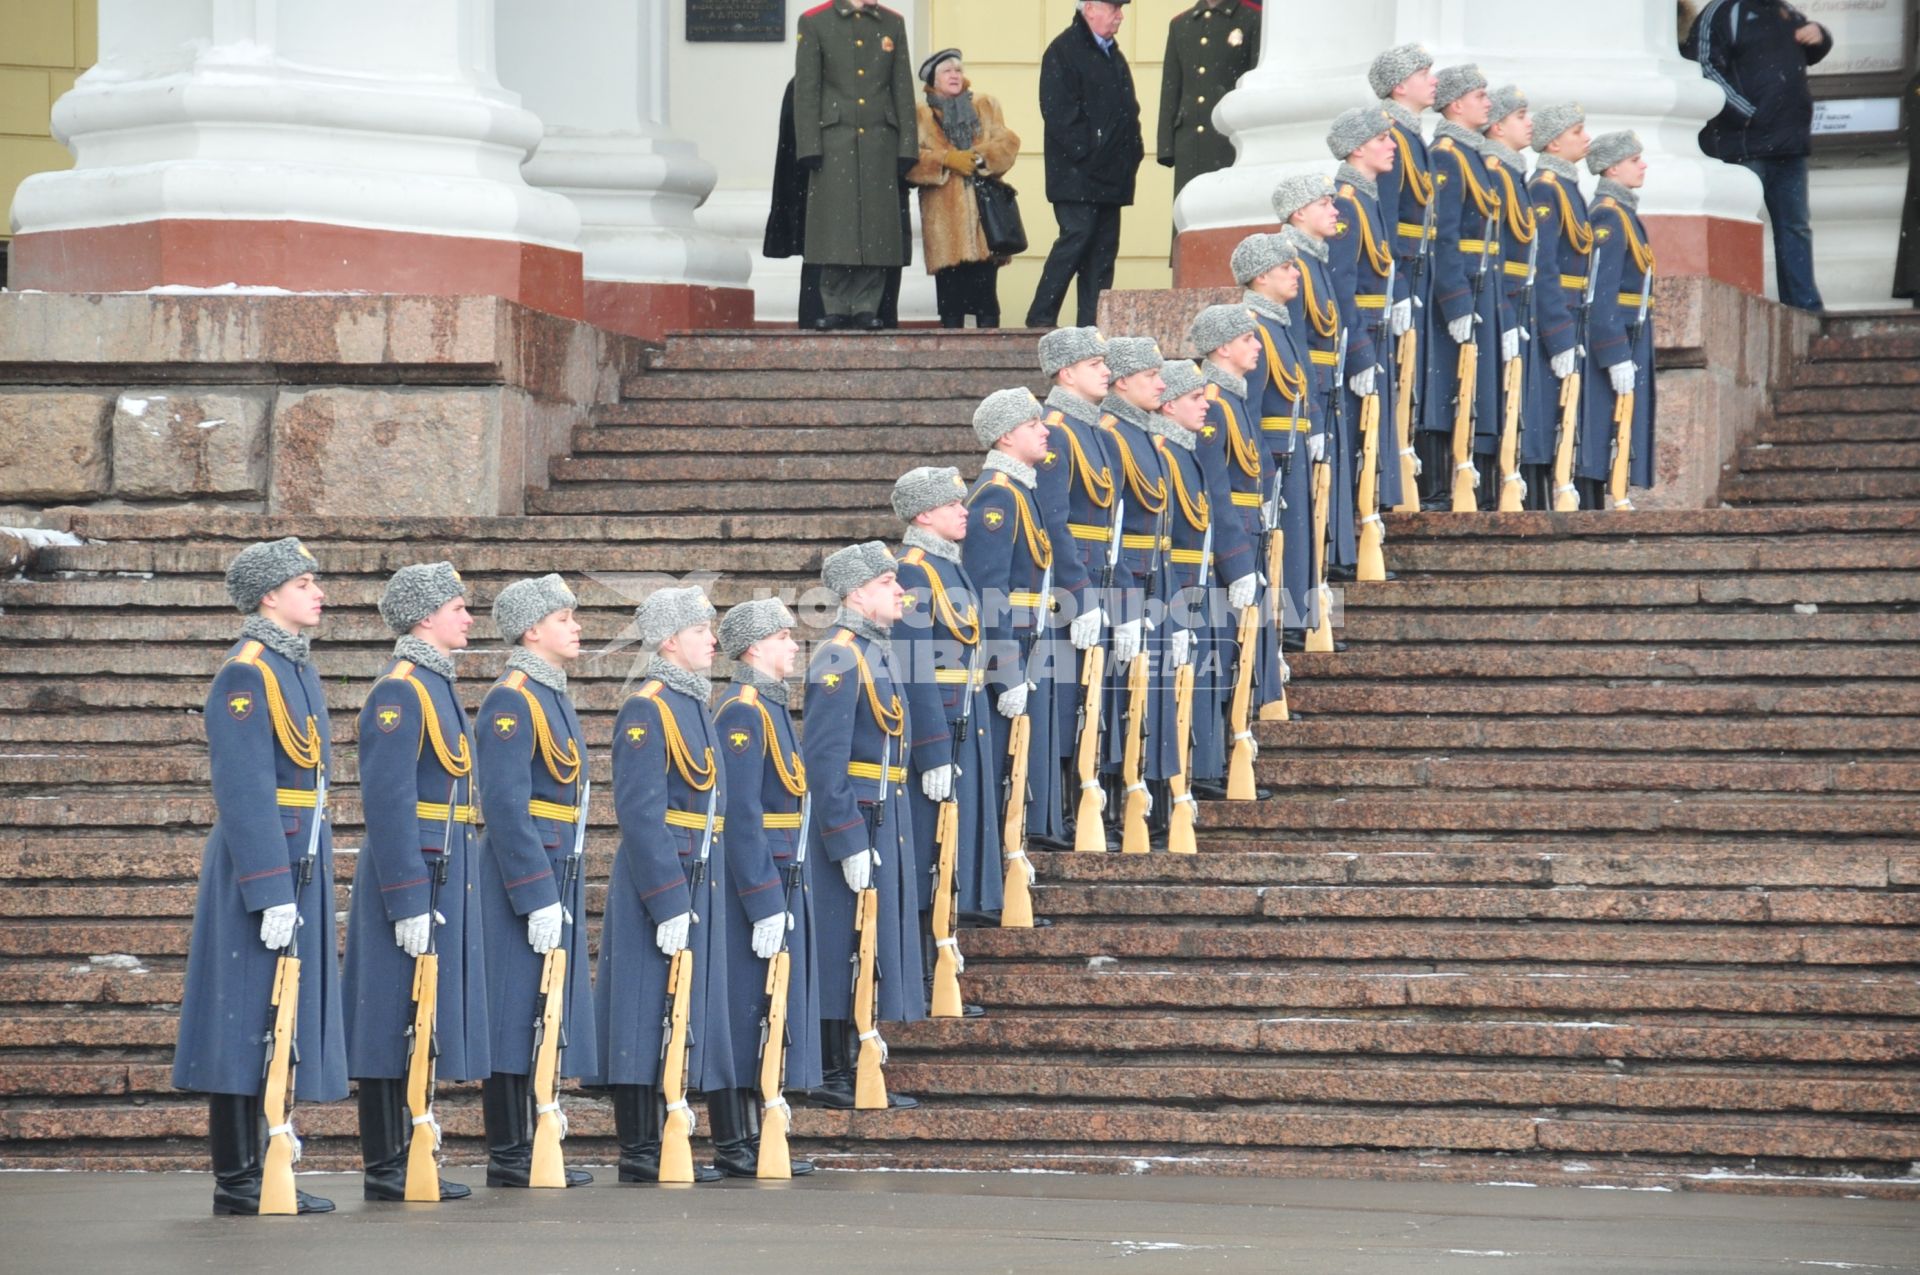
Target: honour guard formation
<point>1064,653</point>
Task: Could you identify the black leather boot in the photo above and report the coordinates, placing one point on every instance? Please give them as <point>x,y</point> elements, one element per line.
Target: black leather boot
<point>506,1107</point>
<point>836,1067</point>
<point>734,1152</point>
<point>1592,491</point>
<point>750,1120</point>
<point>386,1136</point>
<point>637,1120</point>
<point>234,1139</point>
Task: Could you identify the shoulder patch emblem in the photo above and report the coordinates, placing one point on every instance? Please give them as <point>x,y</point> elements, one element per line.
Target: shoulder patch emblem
<point>910,600</point>
<point>1542,210</point>
<point>737,740</point>
<point>1208,431</point>
<point>831,681</point>
<point>240,705</point>
<point>1601,232</point>
<point>637,735</point>
<point>1051,459</point>
<point>387,719</point>
<point>993,518</point>
<point>1439,179</point>
<point>886,42</point>
<point>505,725</point>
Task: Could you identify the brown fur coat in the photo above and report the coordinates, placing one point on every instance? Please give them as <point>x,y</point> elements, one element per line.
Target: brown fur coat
<point>949,211</point>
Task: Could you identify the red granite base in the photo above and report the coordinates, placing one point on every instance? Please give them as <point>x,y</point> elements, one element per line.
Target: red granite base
<point>651,310</point>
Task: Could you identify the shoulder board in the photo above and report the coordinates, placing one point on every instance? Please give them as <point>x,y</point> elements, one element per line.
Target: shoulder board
<point>401,671</point>
<point>650,691</point>
<point>1056,417</point>
<point>1346,190</point>
<point>1108,420</point>
<point>1250,4</point>
<point>749,695</point>
<point>1160,444</point>
<point>818,8</point>
<point>843,638</point>
<point>250,653</point>
<point>912,557</point>
<point>1546,175</point>
<point>1213,391</point>
<point>516,679</point>
<point>1443,144</point>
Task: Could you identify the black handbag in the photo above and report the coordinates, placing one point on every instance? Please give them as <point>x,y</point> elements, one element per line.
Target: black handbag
<point>1000,221</point>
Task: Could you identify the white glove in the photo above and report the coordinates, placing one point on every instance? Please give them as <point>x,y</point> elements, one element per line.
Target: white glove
<point>1461,329</point>
<point>1317,447</point>
<point>767,934</point>
<point>1401,316</point>
<point>1240,592</point>
<point>1286,671</point>
<point>543,928</point>
<point>1622,375</point>
<point>1183,644</point>
<point>858,870</point>
<point>1126,642</point>
<point>1362,382</point>
<point>276,925</point>
<point>1013,701</point>
<point>1510,345</point>
<point>937,783</point>
<point>410,934</point>
<point>1563,363</point>
<point>1418,468</point>
<point>671,936</point>
<point>1085,629</point>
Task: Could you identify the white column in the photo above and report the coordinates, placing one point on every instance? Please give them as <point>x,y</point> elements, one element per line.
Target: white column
<point>596,72</point>
<point>357,113</point>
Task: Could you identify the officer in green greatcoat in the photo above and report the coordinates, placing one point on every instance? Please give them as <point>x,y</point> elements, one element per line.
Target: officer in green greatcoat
<point>1210,45</point>
<point>856,134</point>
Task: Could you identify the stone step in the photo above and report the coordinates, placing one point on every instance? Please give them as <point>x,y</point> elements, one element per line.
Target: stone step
<point>1499,813</point>
<point>829,412</point>
<point>1877,334</point>
<point>1802,430</point>
<point>1822,457</point>
<point>1852,399</point>
<point>1859,365</point>
<point>889,384</point>
<point>1650,716</point>
<point>1689,556</point>
<point>1617,625</point>
<point>575,499</point>
<point>1515,589</point>
<point>1794,487</point>
<point>992,351</point>
<point>776,441</point>
<point>703,472</point>
<point>1678,663</point>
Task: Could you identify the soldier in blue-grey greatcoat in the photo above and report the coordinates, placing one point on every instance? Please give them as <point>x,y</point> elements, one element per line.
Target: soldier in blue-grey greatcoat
<point>413,881</point>
<point>1509,130</point>
<point>266,879</point>
<point>1566,247</point>
<point>855,749</point>
<point>1621,327</point>
<point>1403,79</point>
<point>768,875</point>
<point>668,892</point>
<point>533,785</point>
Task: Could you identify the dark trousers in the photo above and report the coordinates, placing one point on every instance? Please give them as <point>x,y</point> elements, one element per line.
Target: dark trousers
<point>1088,244</point>
<point>972,287</point>
<point>1784,183</point>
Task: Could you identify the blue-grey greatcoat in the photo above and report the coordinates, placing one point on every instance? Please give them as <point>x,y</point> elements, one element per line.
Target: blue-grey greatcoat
<point>1231,444</point>
<point>850,687</point>
<point>1285,425</point>
<point>525,855</point>
<point>763,833</point>
<point>1139,580</point>
<point>1466,253</point>
<point>1074,489</point>
<point>1622,265</point>
<point>252,862</point>
<point>400,773</point>
<point>1566,242</point>
<point>934,642</point>
<point>1359,254</point>
<point>1405,191</point>
<point>1321,313</point>
<point>1520,231</point>
<point>666,774</point>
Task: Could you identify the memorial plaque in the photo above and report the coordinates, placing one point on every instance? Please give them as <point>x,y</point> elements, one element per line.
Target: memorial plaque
<point>1869,36</point>
<point>736,20</point>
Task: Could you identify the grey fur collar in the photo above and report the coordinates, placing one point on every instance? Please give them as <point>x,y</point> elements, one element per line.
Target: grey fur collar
<point>938,546</point>
<point>861,626</point>
<point>1402,116</point>
<point>1464,136</point>
<point>1559,168</point>
<point>1269,307</point>
<point>769,687</point>
<point>1369,186</point>
<point>554,679</point>
<point>1234,385</point>
<point>683,680</point>
<point>1117,406</point>
<point>1065,400</point>
<point>1018,470</point>
<point>424,654</point>
<point>1162,426</point>
<point>1516,162</point>
<point>1305,244</point>
<point>1620,194</point>
<point>297,647</point>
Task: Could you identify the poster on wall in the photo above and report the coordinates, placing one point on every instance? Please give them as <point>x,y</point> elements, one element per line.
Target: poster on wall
<point>1869,36</point>
<point>740,21</point>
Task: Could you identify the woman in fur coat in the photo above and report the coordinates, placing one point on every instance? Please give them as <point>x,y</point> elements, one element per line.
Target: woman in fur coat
<point>961,137</point>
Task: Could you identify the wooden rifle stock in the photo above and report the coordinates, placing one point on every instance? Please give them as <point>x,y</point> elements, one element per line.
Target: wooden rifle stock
<point>1409,367</point>
<point>1320,636</point>
<point>1133,833</point>
<point>775,1160</point>
<point>549,1169</point>
<point>1016,907</point>
<point>1089,835</point>
<point>1371,562</point>
<point>946,968</point>
<point>676,1149</point>
<point>1465,478</point>
<point>1240,786</point>
<point>423,1166</point>
<point>277,1195</point>
<point>869,1084</point>
<point>1565,498</point>
<point>1180,788</point>
<point>1513,488</point>
<point>1622,452</point>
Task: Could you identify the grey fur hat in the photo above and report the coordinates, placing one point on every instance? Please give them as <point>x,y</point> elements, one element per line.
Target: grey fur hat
<point>1550,122</point>
<point>667,611</point>
<point>417,591</point>
<point>1506,100</point>
<point>1296,192</point>
<point>1259,253</point>
<point>1391,69</point>
<point>1355,128</point>
<point>1127,355</point>
<point>928,487</point>
<point>1455,83</point>
<point>1002,412</point>
<point>847,569</point>
<point>749,622</point>
<point>1610,148</point>
<point>1216,325</point>
<point>258,570</point>
<point>525,603</point>
<point>1182,377</point>
<point>1063,347</point>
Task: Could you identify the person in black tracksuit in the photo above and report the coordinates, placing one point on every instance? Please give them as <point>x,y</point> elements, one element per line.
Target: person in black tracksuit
<point>1757,52</point>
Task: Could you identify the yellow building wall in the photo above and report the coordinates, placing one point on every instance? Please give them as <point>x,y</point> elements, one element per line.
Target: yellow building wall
<point>44,45</point>
<point>1002,41</point>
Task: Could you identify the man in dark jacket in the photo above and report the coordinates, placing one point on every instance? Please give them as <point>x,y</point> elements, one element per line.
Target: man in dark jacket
<point>1094,148</point>
<point>1757,52</point>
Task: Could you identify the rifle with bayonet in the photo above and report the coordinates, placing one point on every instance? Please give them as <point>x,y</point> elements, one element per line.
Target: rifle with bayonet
<point>1617,470</point>
<point>1274,538</point>
<point>1320,636</point>
<point>1184,809</point>
<point>1089,832</point>
<point>676,1036</point>
<point>1370,560</point>
<point>1016,906</point>
<point>1406,408</point>
<point>947,961</point>
<point>1513,488</point>
<point>550,1023</point>
<point>1466,479</point>
<point>423,1046</point>
<point>278,1197</point>
<point>869,1084</point>
<point>1566,498</point>
<point>1133,831</point>
<point>776,1117</point>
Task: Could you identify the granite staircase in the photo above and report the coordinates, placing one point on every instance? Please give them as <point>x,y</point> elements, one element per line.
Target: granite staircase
<point>1595,860</point>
